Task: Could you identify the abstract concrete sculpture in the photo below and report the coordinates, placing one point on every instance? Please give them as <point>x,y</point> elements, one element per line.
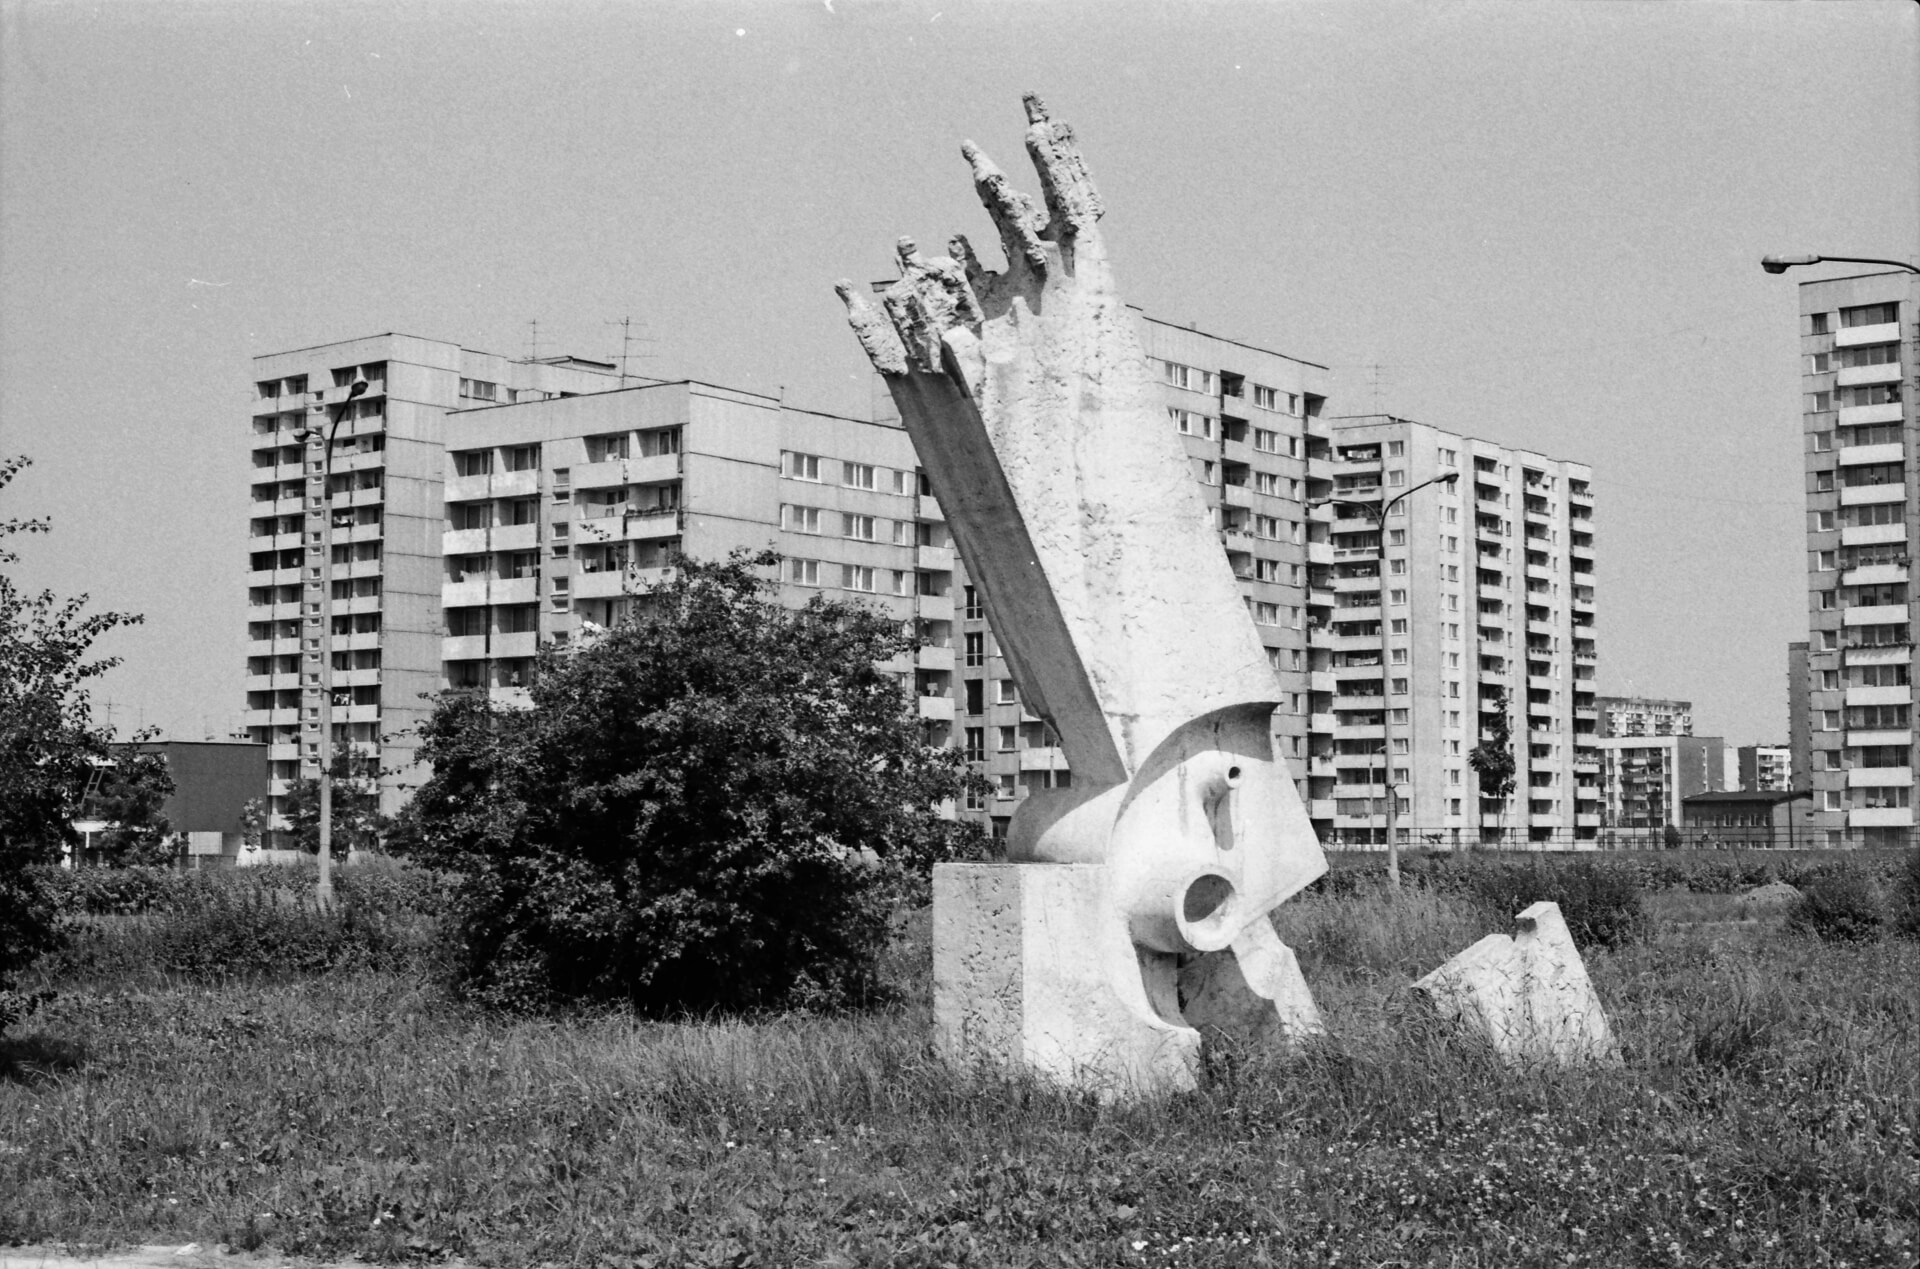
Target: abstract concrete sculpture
<point>1527,995</point>
<point>1033,408</point>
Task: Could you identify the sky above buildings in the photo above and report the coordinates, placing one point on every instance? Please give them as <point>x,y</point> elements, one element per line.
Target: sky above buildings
<point>1538,224</point>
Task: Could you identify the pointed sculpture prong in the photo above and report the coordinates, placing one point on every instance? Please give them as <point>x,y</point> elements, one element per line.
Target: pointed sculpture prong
<point>1013,213</point>
<point>906,254</point>
<point>1073,204</point>
<point>876,336</point>
<point>931,297</point>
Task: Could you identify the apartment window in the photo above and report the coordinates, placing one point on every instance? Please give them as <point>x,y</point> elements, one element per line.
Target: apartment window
<point>603,449</point>
<point>1824,561</point>
<point>1869,315</point>
<point>1817,323</point>
<point>976,648</point>
<point>1180,376</point>
<point>1449,458</point>
<point>864,528</point>
<point>659,441</point>
<point>1266,482</point>
<point>1209,475</point>
<point>795,519</point>
<point>474,462</point>
<point>1822,441</point>
<point>803,572</point>
<point>1397,566</point>
<point>1264,398</point>
<point>975,746</point>
<point>1823,521</point>
<point>1006,786</point>
<point>856,577</point>
<point>903,534</point>
<point>1265,441</point>
<point>1870,394</point>
<point>1009,694</point>
<point>1264,614</point>
<point>1870,355</point>
<point>800,466</point>
<point>858,475</point>
<point>1397,626</point>
<point>479,389</point>
<point>523,457</point>
<point>1396,596</point>
<point>1396,449</point>
<point>1399,687</point>
<point>1188,423</point>
<point>1008,738</point>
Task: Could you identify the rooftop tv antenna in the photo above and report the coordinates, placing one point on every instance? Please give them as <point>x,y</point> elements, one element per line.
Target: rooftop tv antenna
<point>627,340</point>
<point>533,339</point>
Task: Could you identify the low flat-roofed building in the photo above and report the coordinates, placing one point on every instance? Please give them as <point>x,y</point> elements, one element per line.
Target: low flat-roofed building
<point>1759,818</point>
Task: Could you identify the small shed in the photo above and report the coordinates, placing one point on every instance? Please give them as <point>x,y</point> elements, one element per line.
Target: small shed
<point>1763,818</point>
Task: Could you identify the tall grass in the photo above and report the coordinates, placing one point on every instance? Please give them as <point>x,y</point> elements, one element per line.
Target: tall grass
<point>1766,1115</point>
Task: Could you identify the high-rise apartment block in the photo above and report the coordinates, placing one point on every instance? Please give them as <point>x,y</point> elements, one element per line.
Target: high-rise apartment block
<point>1645,716</point>
<point>485,506</point>
<point>387,511</point>
<point>1479,595</point>
<point>1645,779</point>
<point>1857,344</point>
<point>1765,768</point>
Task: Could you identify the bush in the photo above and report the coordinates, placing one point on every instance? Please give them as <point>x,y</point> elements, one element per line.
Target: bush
<point>1602,906</point>
<point>717,806</point>
<point>1837,907</point>
<point>240,923</point>
<point>1906,897</point>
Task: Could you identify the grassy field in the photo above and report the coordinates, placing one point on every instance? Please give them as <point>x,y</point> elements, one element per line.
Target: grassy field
<point>1766,1115</point>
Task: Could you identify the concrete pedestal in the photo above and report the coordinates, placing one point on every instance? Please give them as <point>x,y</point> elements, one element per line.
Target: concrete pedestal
<point>1032,973</point>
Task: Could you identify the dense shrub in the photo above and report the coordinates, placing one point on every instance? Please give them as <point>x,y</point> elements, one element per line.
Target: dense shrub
<point>241,922</point>
<point>1906,897</point>
<point>1602,906</point>
<point>1838,907</point>
<point>716,806</point>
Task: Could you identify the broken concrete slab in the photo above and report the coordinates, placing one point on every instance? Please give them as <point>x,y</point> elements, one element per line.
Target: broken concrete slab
<point>1527,994</point>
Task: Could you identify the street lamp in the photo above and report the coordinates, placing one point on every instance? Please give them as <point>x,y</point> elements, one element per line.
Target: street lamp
<point>1780,264</point>
<point>1378,513</point>
<point>311,437</point>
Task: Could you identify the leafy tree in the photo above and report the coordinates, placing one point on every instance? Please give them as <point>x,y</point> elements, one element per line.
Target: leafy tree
<point>49,749</point>
<point>357,822</point>
<point>1492,759</point>
<point>715,805</point>
<point>130,795</point>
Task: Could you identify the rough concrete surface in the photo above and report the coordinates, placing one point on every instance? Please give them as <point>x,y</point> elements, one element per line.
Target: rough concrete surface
<point>1033,407</point>
<point>1528,995</point>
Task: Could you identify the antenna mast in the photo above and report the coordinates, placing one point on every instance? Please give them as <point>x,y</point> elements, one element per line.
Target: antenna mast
<point>627,340</point>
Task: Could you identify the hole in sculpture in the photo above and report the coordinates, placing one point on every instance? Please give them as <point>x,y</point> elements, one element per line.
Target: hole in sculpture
<point>1233,775</point>
<point>1207,894</point>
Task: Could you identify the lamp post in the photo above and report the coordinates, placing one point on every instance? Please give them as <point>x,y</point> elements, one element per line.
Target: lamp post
<point>1780,264</point>
<point>1378,513</point>
<point>311,437</point>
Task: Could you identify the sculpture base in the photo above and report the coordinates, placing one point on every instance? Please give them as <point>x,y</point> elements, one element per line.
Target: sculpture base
<point>1032,974</point>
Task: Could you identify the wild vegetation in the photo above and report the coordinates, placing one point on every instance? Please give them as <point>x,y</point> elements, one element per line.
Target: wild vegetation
<point>1765,1113</point>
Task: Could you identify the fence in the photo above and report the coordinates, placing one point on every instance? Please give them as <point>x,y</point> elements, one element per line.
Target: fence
<point>1759,837</point>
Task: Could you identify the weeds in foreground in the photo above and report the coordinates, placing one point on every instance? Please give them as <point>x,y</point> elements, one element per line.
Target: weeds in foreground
<point>1766,1115</point>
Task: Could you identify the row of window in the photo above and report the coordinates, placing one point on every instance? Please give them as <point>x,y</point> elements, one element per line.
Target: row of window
<point>820,521</point>
<point>1208,383</point>
<point>809,467</point>
<point>1859,315</point>
<point>1850,358</point>
<point>1857,395</point>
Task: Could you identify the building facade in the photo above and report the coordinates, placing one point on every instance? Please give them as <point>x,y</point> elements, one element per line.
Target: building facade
<point>383,628</point>
<point>1766,819</point>
<point>1478,595</point>
<point>1857,338</point>
<point>1799,721</point>
<point>1645,716</point>
<point>1765,768</point>
<point>1645,779</point>
<point>558,496</point>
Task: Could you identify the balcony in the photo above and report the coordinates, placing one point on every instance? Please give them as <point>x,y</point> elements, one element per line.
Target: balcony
<point>463,648</point>
<point>1884,817</point>
<point>464,541</point>
<point>1320,681</point>
<point>1236,495</point>
<point>1043,758</point>
<point>1896,695</point>
<point>618,472</point>
<point>1319,552</point>
<point>1890,452</point>
<point>929,509</point>
<point>936,709</point>
<point>1886,372</point>
<point>1865,738</point>
<point>935,607</point>
<point>1238,541</point>
<point>1880,777</point>
<point>1858,495</point>
<point>1873,534</point>
<point>1873,615</point>
<point>602,583</point>
<point>934,559</point>
<point>1874,575</point>
<point>1320,809</point>
<point>1320,724</point>
<point>1856,415</point>
<point>1854,336</point>
<point>932,658</point>
<point>516,645</point>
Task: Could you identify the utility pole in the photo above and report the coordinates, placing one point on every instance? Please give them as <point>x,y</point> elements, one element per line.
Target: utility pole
<point>1378,512</point>
<point>320,457</point>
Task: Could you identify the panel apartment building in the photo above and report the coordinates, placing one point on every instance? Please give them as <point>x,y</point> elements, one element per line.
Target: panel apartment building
<point>1857,339</point>
<point>1478,594</point>
<point>557,512</point>
<point>387,512</point>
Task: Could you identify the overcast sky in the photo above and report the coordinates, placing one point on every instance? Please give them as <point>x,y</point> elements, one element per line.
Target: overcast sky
<point>1538,224</point>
